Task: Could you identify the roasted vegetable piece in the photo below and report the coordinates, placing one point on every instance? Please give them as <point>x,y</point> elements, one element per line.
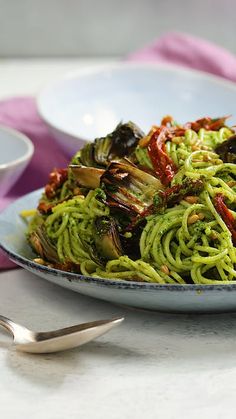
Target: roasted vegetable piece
<point>227,150</point>
<point>163,165</point>
<point>121,142</point>
<point>42,245</point>
<point>56,178</point>
<point>87,177</point>
<point>130,239</point>
<point>52,190</point>
<point>176,193</point>
<point>85,156</point>
<point>226,215</point>
<point>106,238</point>
<point>211,124</point>
<point>128,187</point>
<point>45,206</point>
<point>124,140</point>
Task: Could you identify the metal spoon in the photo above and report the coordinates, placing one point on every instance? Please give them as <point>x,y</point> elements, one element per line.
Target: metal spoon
<point>26,340</point>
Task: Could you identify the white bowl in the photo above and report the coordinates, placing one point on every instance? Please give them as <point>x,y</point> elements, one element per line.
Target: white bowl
<point>81,107</point>
<point>16,152</point>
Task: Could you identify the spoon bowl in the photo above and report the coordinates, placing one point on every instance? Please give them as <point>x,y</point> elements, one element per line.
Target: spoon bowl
<point>26,340</point>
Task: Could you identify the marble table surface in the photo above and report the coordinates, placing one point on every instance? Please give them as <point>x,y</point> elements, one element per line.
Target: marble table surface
<point>155,365</point>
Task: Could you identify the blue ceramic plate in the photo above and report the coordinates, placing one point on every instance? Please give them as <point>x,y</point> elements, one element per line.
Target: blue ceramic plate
<point>169,298</point>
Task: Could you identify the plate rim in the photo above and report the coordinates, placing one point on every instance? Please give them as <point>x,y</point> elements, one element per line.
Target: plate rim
<point>103,282</point>
<point>90,71</point>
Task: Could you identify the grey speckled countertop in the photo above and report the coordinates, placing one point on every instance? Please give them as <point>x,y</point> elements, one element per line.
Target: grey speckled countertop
<point>154,365</point>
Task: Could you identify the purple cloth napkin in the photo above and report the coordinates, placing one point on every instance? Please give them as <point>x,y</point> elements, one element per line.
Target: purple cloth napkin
<point>189,51</point>
<point>21,114</point>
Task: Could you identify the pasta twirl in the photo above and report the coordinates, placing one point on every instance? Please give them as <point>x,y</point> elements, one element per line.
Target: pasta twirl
<point>161,207</point>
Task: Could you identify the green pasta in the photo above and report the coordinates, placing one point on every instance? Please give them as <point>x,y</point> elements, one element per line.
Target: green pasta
<point>173,202</point>
<point>70,226</point>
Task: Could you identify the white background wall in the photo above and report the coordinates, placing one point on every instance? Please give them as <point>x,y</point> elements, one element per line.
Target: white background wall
<point>108,27</point>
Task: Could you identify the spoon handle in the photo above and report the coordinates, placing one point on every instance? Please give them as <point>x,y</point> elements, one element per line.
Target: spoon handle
<point>7,324</point>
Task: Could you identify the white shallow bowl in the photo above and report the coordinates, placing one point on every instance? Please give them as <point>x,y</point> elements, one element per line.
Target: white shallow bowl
<point>161,297</point>
<point>81,107</point>
<point>16,151</point>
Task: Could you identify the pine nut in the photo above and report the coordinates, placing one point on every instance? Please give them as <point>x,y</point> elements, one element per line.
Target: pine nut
<point>193,219</point>
<point>231,183</point>
<point>206,158</point>
<point>40,261</point>
<point>77,191</point>
<point>191,199</point>
<point>165,269</point>
<point>201,216</point>
<point>177,140</point>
